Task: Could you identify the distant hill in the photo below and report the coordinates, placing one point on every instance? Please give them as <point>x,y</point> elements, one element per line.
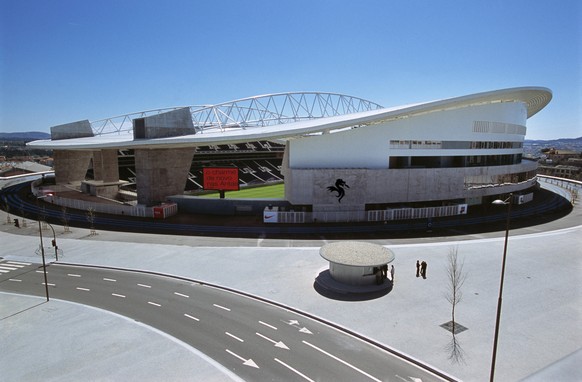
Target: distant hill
<point>550,141</point>
<point>24,136</point>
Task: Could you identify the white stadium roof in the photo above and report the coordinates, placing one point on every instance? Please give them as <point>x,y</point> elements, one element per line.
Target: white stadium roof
<point>535,99</point>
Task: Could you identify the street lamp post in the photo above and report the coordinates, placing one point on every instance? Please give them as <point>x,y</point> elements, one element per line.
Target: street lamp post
<point>43,262</point>
<point>54,243</point>
<point>509,202</point>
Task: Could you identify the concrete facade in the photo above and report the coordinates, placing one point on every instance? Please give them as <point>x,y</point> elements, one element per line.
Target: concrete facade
<point>79,129</point>
<point>105,165</point>
<point>71,166</point>
<point>372,186</point>
<point>161,173</point>
<point>171,124</point>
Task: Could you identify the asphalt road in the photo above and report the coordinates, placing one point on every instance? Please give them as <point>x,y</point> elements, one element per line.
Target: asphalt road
<point>254,339</point>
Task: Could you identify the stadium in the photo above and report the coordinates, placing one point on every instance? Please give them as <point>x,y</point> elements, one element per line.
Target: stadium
<point>341,158</point>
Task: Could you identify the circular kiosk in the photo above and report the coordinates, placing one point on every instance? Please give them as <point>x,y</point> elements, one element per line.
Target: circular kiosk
<point>357,263</point>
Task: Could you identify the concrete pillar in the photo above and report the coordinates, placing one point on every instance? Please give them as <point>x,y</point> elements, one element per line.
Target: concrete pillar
<point>161,173</point>
<point>105,166</point>
<point>70,165</point>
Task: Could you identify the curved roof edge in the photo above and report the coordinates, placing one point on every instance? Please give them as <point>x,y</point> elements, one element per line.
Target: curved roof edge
<point>535,99</point>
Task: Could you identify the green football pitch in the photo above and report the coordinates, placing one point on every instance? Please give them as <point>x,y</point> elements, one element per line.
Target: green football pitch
<point>275,191</point>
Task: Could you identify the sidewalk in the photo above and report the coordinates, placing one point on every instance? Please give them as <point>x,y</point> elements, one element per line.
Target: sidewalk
<point>541,319</point>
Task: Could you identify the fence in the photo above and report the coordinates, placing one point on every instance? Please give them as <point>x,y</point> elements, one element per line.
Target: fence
<point>370,216</point>
<point>572,187</point>
<point>416,213</point>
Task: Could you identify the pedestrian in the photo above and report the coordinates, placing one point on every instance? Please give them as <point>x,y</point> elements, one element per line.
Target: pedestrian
<point>417,268</point>
<point>392,273</point>
<point>379,277</point>
<point>423,269</point>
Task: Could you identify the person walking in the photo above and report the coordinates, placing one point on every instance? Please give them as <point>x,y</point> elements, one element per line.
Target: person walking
<point>423,269</point>
<point>417,268</point>
<point>392,273</point>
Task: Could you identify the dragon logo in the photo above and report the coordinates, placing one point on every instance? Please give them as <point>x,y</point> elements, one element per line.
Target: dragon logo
<point>339,188</point>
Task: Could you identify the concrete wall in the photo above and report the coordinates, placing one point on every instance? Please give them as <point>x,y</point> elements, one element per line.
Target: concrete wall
<point>171,124</point>
<point>80,129</point>
<point>161,173</point>
<point>365,186</point>
<point>230,207</point>
<point>105,165</point>
<point>71,166</point>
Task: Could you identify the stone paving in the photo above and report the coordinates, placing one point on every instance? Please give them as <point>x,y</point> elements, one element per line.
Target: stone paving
<point>540,337</point>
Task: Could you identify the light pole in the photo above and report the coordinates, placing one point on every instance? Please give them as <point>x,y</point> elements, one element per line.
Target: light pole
<point>43,262</point>
<point>509,202</point>
<point>54,243</point>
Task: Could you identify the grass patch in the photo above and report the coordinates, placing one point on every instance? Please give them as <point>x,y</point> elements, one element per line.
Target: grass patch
<point>274,191</point>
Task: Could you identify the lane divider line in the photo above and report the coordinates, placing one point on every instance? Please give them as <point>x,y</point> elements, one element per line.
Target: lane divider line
<point>233,336</point>
<point>294,370</point>
<point>342,361</point>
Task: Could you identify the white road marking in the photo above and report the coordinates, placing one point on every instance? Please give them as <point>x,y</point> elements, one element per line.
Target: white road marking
<point>85,289</point>
<point>221,307</point>
<point>191,317</point>
<point>49,284</point>
<point>18,280</point>
<point>181,294</point>
<point>248,362</point>
<point>18,263</point>
<point>294,370</point>
<point>5,271</point>
<point>118,295</point>
<point>106,279</point>
<point>233,336</point>
<point>144,285</point>
<point>294,323</point>
<point>267,325</point>
<point>342,361</point>
<point>154,303</point>
<point>39,271</point>
<point>73,275</point>
<point>8,268</point>
<point>279,344</point>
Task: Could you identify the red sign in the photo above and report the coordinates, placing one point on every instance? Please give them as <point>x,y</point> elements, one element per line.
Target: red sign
<point>220,178</point>
<point>158,212</point>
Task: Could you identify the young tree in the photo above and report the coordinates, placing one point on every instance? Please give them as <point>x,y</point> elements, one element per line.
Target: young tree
<point>65,219</point>
<point>7,209</point>
<point>42,215</point>
<point>91,220</point>
<point>456,278</point>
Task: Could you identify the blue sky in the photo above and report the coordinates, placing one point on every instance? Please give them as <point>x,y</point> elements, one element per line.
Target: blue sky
<point>65,60</point>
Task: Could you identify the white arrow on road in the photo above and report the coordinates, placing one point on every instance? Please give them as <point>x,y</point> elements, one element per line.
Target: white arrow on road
<point>247,362</point>
<point>302,330</point>
<point>279,344</point>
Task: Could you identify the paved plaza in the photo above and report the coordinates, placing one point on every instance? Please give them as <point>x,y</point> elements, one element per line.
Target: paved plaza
<point>540,336</point>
